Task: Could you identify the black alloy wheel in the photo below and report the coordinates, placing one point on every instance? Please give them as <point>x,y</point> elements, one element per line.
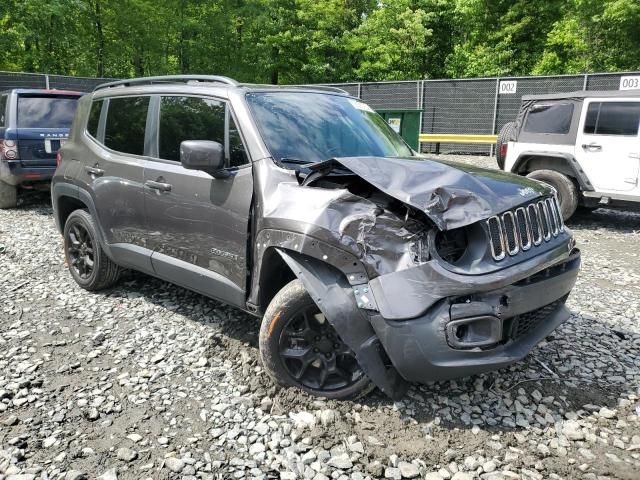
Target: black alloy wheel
<point>314,355</point>
<point>80,251</point>
<point>88,263</point>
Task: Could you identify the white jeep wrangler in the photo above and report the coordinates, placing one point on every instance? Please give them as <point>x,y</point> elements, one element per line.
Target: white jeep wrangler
<point>584,144</point>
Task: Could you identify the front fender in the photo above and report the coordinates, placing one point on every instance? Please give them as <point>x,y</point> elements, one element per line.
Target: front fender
<point>332,293</point>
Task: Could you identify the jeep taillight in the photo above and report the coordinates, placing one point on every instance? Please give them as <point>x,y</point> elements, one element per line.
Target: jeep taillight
<point>58,158</point>
<point>503,150</point>
<point>8,150</point>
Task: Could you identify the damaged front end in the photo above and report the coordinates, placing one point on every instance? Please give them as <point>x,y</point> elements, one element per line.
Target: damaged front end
<point>427,270</point>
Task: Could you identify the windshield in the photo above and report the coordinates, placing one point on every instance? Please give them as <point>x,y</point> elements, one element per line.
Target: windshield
<point>46,112</point>
<point>313,127</point>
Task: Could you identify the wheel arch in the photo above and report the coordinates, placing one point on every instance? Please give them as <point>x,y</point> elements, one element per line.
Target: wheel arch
<point>66,205</point>
<point>67,198</point>
<point>564,163</point>
<point>274,274</point>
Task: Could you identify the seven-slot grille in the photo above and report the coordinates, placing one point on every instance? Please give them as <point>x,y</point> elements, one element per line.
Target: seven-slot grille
<point>520,229</point>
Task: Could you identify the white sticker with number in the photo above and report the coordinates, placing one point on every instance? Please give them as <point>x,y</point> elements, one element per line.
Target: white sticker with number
<point>630,83</point>
<point>508,87</point>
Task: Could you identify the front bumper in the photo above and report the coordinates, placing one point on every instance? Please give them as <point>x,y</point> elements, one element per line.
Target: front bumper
<point>14,172</point>
<point>420,308</point>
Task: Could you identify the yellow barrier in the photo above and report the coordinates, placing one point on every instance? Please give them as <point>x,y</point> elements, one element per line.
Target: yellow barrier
<point>439,138</point>
<point>458,138</point>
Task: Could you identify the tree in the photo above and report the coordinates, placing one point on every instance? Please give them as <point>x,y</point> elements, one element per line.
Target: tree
<point>307,41</point>
<point>392,42</point>
<point>593,35</point>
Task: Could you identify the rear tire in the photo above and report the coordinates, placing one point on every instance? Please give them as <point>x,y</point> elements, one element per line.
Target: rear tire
<point>88,263</point>
<point>567,191</point>
<point>8,195</point>
<point>503,137</point>
<point>299,350</point>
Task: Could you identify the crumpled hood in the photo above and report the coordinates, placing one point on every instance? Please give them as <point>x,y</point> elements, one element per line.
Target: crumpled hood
<point>451,194</point>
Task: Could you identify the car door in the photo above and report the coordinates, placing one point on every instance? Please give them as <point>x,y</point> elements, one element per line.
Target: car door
<point>608,145</point>
<point>197,224</point>
<point>112,169</point>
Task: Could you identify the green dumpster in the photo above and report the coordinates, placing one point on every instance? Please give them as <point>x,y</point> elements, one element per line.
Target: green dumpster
<point>406,123</point>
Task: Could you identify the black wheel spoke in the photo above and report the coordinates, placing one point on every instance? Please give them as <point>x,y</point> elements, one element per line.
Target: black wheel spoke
<point>322,378</point>
<point>295,353</point>
<point>74,240</point>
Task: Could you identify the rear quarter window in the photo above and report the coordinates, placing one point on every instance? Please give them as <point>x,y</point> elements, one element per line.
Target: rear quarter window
<point>46,111</point>
<point>549,118</point>
<point>125,124</point>
<point>94,118</point>
<point>613,118</point>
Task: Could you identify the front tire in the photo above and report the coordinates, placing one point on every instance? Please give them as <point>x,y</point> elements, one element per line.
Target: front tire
<point>567,191</point>
<point>299,347</point>
<point>8,195</point>
<point>88,263</point>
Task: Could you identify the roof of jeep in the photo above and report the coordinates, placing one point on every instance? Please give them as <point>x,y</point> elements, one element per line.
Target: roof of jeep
<point>582,94</point>
<point>217,81</point>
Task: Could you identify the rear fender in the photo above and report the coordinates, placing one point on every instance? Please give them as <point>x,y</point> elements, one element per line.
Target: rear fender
<point>332,293</point>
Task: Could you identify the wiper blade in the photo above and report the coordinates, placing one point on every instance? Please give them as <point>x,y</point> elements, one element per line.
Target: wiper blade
<point>322,169</point>
<point>292,161</point>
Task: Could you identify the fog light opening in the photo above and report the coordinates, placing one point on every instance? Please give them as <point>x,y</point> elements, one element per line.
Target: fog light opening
<point>461,331</point>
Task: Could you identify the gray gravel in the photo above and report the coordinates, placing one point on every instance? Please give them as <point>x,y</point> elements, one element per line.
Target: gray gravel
<point>148,380</point>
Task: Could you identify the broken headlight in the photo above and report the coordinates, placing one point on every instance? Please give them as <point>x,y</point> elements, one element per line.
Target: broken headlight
<point>461,246</point>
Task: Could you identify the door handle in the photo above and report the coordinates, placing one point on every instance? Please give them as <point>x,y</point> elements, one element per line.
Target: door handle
<point>160,186</point>
<point>94,171</point>
<point>592,147</point>
<point>635,156</point>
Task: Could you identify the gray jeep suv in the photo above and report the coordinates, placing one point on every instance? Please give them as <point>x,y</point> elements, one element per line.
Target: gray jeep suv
<point>367,262</point>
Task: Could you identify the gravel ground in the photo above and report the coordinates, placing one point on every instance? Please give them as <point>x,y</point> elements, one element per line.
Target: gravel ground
<point>149,380</point>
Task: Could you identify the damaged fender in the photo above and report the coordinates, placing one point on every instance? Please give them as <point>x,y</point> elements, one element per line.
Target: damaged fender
<point>330,290</point>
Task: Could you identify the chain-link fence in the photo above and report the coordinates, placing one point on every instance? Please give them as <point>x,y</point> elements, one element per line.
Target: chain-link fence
<point>471,106</point>
<point>9,80</point>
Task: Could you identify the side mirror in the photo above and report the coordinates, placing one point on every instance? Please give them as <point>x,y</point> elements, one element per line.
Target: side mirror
<point>204,155</point>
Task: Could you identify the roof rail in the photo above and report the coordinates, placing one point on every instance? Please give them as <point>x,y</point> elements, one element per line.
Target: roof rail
<point>168,79</point>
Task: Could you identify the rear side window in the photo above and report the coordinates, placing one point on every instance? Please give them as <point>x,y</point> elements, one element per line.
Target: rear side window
<point>94,118</point>
<point>46,111</point>
<point>188,118</point>
<point>613,118</point>
<point>551,118</point>
<point>125,125</point>
<point>3,109</point>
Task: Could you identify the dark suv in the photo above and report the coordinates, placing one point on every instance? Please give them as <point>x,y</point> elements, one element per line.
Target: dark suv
<point>33,126</point>
<point>367,262</point>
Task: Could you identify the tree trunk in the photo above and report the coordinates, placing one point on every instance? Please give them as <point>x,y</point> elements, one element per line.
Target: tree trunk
<point>97,10</point>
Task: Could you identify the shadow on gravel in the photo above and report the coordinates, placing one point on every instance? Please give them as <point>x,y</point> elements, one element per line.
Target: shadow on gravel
<point>619,220</point>
<point>38,201</point>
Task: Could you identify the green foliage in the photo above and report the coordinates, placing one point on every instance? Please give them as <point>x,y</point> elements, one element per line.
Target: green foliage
<point>304,41</point>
